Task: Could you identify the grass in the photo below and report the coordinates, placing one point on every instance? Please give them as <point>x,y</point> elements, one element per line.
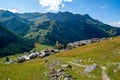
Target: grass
<point>39,47</point>
<point>2,60</point>
<point>102,53</point>
<point>114,72</point>
<point>25,71</point>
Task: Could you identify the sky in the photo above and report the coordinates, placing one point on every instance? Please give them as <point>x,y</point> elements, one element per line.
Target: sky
<point>107,11</point>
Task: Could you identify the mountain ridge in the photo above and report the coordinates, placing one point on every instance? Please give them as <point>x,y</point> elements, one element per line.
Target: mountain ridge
<point>47,28</point>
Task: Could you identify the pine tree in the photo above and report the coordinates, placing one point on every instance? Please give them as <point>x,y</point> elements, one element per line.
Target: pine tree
<point>7,59</point>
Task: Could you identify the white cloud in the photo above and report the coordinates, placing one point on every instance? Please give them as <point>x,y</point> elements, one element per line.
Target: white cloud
<point>53,5</point>
<point>11,10</point>
<point>104,6</point>
<point>116,24</point>
<point>67,0</point>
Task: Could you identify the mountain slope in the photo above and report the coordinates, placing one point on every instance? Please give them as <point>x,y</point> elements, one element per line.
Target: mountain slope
<point>51,31</point>
<point>47,28</point>
<point>105,53</point>
<point>67,27</point>
<point>11,43</point>
<point>14,22</point>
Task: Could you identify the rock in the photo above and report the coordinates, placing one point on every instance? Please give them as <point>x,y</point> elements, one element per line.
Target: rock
<point>55,74</point>
<point>68,77</point>
<point>53,64</point>
<point>45,61</point>
<point>90,59</point>
<point>90,68</point>
<point>66,66</point>
<point>79,61</point>
<point>60,72</point>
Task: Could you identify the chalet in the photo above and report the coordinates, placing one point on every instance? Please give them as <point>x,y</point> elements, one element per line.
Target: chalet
<point>93,40</point>
<point>26,57</point>
<point>20,59</point>
<point>70,46</point>
<point>33,55</point>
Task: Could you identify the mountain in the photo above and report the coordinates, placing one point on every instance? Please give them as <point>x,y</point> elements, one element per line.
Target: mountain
<point>11,43</point>
<point>47,28</point>
<point>14,22</point>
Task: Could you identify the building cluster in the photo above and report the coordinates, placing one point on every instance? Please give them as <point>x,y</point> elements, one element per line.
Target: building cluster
<point>57,48</point>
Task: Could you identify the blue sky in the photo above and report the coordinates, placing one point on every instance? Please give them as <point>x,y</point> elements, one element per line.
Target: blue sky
<point>107,11</point>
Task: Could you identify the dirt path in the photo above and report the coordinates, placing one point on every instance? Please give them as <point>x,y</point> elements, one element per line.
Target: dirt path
<point>104,74</point>
<point>77,64</point>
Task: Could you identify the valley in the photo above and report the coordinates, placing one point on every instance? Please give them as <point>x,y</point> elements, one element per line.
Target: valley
<point>57,46</point>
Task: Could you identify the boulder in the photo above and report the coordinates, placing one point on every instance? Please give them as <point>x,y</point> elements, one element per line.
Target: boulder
<point>66,66</point>
<point>90,68</point>
<point>90,59</point>
<point>67,77</point>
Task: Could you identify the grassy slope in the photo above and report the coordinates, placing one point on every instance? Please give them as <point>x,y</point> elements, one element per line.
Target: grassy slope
<point>31,70</point>
<point>26,71</point>
<point>102,53</point>
<point>39,47</point>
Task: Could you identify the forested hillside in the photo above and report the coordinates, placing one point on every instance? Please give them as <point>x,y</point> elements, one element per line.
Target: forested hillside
<point>11,43</point>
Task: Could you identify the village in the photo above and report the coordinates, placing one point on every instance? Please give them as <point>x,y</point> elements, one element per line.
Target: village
<point>57,48</point>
